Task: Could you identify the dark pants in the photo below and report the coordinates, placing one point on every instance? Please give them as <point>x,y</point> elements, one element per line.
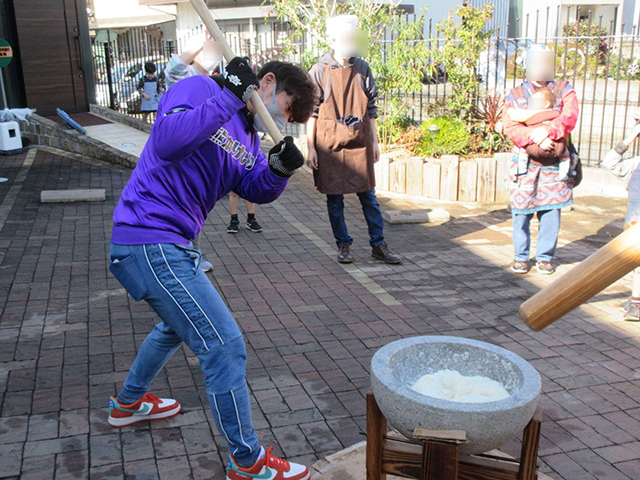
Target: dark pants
<point>372,213</point>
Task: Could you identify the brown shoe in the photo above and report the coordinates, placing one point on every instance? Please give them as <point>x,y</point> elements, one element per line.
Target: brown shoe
<point>384,253</point>
<point>344,253</point>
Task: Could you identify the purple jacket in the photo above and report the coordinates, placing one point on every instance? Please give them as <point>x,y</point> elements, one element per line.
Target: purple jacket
<point>200,148</point>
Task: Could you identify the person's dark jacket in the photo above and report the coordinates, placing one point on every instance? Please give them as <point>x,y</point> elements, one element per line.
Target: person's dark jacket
<point>368,82</point>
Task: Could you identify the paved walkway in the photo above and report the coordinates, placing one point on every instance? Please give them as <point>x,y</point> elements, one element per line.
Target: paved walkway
<point>121,137</point>
<point>68,331</point>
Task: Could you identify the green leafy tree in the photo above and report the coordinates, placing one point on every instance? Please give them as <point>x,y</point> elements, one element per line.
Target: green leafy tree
<point>459,49</point>
<point>397,49</point>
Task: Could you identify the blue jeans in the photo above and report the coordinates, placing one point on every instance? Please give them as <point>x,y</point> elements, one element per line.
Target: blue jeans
<point>547,235</point>
<point>167,277</point>
<point>372,214</point>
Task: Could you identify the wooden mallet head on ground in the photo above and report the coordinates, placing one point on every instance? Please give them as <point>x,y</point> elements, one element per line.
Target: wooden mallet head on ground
<point>606,266</point>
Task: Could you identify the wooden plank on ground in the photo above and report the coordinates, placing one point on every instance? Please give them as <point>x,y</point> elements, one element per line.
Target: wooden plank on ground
<point>449,177</point>
<point>398,176</point>
<point>486,180</point>
<point>468,181</point>
<point>431,179</point>
<point>503,168</point>
<point>414,176</point>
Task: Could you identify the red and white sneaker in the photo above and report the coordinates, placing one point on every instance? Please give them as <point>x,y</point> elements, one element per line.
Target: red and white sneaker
<point>147,408</point>
<point>269,467</point>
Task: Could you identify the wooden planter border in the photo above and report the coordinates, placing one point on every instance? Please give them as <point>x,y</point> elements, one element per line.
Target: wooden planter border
<point>449,178</point>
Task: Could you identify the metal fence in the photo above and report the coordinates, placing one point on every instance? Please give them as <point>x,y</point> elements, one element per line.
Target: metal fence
<point>603,67</point>
<point>119,62</point>
<point>119,66</point>
<point>602,64</point>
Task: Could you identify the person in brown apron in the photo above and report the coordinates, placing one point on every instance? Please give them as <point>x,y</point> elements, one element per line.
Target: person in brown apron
<point>342,139</point>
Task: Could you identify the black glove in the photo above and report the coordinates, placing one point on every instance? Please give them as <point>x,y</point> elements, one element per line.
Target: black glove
<point>285,158</point>
<point>240,79</point>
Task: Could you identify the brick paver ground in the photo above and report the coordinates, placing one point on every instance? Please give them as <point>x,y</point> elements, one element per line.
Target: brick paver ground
<point>68,331</point>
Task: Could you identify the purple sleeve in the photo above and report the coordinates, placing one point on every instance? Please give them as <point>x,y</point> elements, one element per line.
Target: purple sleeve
<point>260,184</point>
<point>191,111</point>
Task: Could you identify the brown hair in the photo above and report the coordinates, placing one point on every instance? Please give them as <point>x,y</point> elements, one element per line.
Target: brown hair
<point>549,97</point>
<point>297,83</point>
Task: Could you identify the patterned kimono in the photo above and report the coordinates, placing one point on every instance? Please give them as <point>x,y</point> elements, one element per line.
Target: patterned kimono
<point>540,188</point>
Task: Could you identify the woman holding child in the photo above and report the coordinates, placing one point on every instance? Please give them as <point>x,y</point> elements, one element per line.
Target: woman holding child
<point>538,117</point>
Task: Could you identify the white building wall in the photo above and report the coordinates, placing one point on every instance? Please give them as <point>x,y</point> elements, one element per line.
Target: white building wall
<point>540,20</point>
<point>239,24</point>
<point>436,11</point>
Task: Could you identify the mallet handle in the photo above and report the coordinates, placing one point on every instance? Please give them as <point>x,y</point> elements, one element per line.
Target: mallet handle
<point>589,277</point>
<point>207,18</point>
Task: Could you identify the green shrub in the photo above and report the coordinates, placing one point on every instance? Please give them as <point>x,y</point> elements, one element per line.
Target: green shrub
<point>452,138</point>
<point>411,139</point>
<point>392,123</point>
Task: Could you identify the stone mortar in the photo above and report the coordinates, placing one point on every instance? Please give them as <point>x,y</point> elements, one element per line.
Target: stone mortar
<point>397,365</point>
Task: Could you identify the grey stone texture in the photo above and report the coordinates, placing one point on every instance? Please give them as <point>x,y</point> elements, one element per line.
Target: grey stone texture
<point>72,196</point>
<point>397,365</point>
<point>426,215</point>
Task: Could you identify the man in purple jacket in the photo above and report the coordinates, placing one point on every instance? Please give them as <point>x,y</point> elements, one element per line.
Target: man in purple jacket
<point>202,146</point>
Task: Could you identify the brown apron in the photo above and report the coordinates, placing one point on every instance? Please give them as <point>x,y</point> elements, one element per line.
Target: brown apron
<point>345,153</point>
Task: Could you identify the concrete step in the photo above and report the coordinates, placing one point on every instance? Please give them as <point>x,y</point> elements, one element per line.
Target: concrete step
<point>71,196</point>
<point>426,215</point>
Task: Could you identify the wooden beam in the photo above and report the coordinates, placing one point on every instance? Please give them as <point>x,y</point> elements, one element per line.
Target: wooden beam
<point>445,435</point>
<point>449,177</point>
<point>486,180</point>
<point>468,182</point>
<point>529,452</point>
<point>503,182</point>
<point>398,176</point>
<point>431,179</point>
<point>376,428</point>
<point>405,460</point>
<point>439,460</point>
<point>414,176</point>
<point>382,173</point>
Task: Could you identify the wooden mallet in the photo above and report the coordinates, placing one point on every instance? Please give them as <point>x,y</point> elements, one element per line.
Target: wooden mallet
<point>606,266</point>
<point>208,20</point>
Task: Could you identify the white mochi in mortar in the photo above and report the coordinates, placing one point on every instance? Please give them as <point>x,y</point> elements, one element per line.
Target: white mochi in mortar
<point>451,385</point>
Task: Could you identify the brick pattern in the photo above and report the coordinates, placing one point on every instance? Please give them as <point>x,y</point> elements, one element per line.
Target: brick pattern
<point>68,333</point>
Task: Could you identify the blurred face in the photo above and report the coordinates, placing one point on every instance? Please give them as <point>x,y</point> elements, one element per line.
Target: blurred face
<point>350,43</point>
<point>540,66</point>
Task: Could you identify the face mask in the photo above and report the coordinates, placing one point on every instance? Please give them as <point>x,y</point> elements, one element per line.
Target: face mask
<point>274,111</point>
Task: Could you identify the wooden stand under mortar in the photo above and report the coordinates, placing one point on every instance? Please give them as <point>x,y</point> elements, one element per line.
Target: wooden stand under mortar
<point>438,457</point>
